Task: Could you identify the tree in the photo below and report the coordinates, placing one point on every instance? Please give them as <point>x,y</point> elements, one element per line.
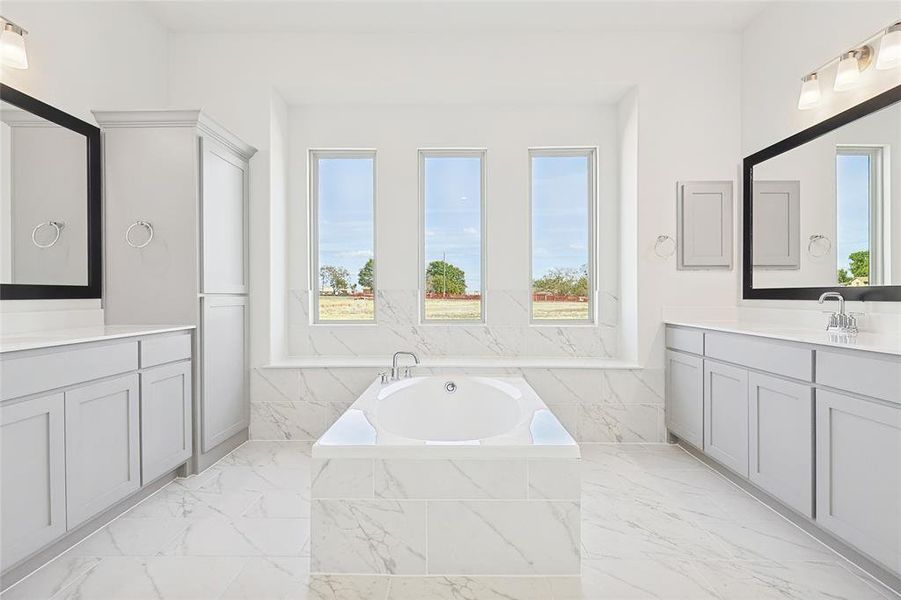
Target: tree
<point>563,282</point>
<point>364,277</point>
<point>444,278</point>
<point>860,263</point>
<point>844,277</point>
<point>335,278</point>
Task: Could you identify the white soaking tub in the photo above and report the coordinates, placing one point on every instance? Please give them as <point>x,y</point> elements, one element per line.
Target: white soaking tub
<point>446,475</point>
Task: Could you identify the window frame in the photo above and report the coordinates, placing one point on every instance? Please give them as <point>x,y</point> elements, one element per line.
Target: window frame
<point>313,157</point>
<point>879,219</point>
<point>591,152</point>
<point>482,154</point>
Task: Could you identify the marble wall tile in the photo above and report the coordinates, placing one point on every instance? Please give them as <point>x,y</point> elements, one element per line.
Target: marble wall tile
<point>620,423</point>
<point>632,386</point>
<point>511,537</point>
<point>555,479</point>
<point>342,478</point>
<point>450,479</point>
<point>289,421</point>
<point>368,536</point>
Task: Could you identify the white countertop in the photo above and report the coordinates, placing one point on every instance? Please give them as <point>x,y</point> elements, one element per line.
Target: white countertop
<point>887,343</point>
<point>64,337</point>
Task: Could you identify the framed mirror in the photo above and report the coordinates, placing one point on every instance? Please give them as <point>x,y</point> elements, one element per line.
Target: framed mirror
<point>822,209</point>
<point>50,234</point>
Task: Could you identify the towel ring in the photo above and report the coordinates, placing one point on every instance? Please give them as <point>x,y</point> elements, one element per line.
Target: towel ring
<point>664,240</point>
<point>146,225</point>
<point>813,241</point>
<point>57,225</point>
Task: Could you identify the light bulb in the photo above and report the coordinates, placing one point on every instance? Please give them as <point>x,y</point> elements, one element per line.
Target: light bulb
<point>12,46</point>
<point>890,48</point>
<point>810,92</point>
<point>848,72</point>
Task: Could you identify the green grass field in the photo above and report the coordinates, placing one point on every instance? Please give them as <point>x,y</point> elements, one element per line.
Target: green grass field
<point>344,308</point>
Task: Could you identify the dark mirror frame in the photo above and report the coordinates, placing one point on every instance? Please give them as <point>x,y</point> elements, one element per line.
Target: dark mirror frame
<point>18,291</point>
<point>883,293</point>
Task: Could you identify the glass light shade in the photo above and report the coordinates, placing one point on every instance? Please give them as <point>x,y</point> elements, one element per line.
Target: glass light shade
<point>12,49</point>
<point>848,73</point>
<point>890,49</point>
<point>810,93</point>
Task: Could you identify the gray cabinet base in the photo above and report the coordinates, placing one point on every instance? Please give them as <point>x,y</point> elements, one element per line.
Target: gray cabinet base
<point>874,569</point>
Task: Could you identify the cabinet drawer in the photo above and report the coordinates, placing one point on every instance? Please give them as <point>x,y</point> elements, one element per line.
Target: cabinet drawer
<point>874,375</point>
<point>33,373</point>
<point>164,349</point>
<point>687,340</point>
<point>766,355</point>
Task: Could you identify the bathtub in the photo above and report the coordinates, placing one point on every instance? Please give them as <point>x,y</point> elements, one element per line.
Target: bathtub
<point>446,475</point>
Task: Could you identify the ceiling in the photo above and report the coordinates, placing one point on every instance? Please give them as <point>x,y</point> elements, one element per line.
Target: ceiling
<point>361,16</point>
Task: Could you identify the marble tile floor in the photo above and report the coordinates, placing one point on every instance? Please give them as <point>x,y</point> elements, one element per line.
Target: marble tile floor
<point>656,523</point>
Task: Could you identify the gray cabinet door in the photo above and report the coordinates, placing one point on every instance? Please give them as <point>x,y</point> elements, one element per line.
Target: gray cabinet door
<point>859,474</point>
<point>32,476</point>
<point>102,446</point>
<point>224,219</point>
<point>777,224</point>
<point>704,215</point>
<point>726,415</point>
<point>781,439</point>
<point>165,419</point>
<point>685,397</point>
<point>225,408</point>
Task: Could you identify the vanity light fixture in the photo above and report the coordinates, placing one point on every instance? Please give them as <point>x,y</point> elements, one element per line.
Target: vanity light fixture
<point>810,92</point>
<point>12,45</point>
<point>849,67</point>
<point>890,48</point>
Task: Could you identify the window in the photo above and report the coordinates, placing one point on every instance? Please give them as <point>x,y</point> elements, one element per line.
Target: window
<point>860,250</point>
<point>563,199</point>
<point>342,190</point>
<point>452,204</point>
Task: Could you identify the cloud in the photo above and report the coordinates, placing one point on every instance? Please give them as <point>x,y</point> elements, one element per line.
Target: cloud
<point>470,231</point>
<point>577,246</point>
<point>355,254</point>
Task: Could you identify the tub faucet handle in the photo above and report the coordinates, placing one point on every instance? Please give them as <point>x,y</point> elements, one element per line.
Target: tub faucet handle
<point>383,377</point>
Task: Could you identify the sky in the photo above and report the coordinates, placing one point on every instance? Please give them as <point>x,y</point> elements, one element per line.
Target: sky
<point>560,208</point>
<point>853,198</point>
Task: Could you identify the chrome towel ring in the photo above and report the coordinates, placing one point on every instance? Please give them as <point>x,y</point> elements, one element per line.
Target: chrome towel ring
<point>57,225</point>
<point>665,246</point>
<point>818,240</point>
<point>146,225</point>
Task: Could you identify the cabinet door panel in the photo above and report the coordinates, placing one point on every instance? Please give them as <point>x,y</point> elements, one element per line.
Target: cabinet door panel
<point>781,440</point>
<point>165,419</point>
<point>102,446</point>
<point>726,415</point>
<point>685,397</point>
<point>32,476</point>
<point>225,408</point>
<point>859,474</point>
<point>223,206</point>
<point>704,215</point>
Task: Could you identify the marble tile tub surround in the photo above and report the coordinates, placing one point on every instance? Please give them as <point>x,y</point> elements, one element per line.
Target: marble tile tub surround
<point>656,523</point>
<point>507,332</point>
<point>595,405</point>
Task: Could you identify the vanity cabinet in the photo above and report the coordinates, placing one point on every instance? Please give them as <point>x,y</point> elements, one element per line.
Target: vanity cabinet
<point>780,448</point>
<point>32,475</point>
<point>859,473</point>
<point>102,446</point>
<point>165,419</point>
<point>816,427</point>
<point>188,178</point>
<point>726,415</point>
<point>84,426</point>
<point>685,397</point>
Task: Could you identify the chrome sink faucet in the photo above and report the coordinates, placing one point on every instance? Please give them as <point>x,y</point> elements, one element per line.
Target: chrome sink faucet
<point>395,371</point>
<point>839,321</point>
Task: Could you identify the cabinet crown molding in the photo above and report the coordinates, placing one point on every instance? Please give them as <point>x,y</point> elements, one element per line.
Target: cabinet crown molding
<point>196,118</point>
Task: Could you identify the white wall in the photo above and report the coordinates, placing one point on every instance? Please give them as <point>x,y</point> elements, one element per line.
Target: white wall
<point>84,56</point>
<point>687,85</point>
<point>784,43</point>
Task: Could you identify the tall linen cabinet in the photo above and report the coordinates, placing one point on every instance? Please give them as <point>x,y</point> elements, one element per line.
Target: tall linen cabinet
<point>175,221</point>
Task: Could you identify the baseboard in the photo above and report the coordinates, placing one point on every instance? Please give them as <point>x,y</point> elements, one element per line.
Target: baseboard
<point>203,461</point>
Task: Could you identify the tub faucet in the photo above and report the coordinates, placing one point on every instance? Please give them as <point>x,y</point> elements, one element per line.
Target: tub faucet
<point>839,321</point>
<point>395,372</point>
